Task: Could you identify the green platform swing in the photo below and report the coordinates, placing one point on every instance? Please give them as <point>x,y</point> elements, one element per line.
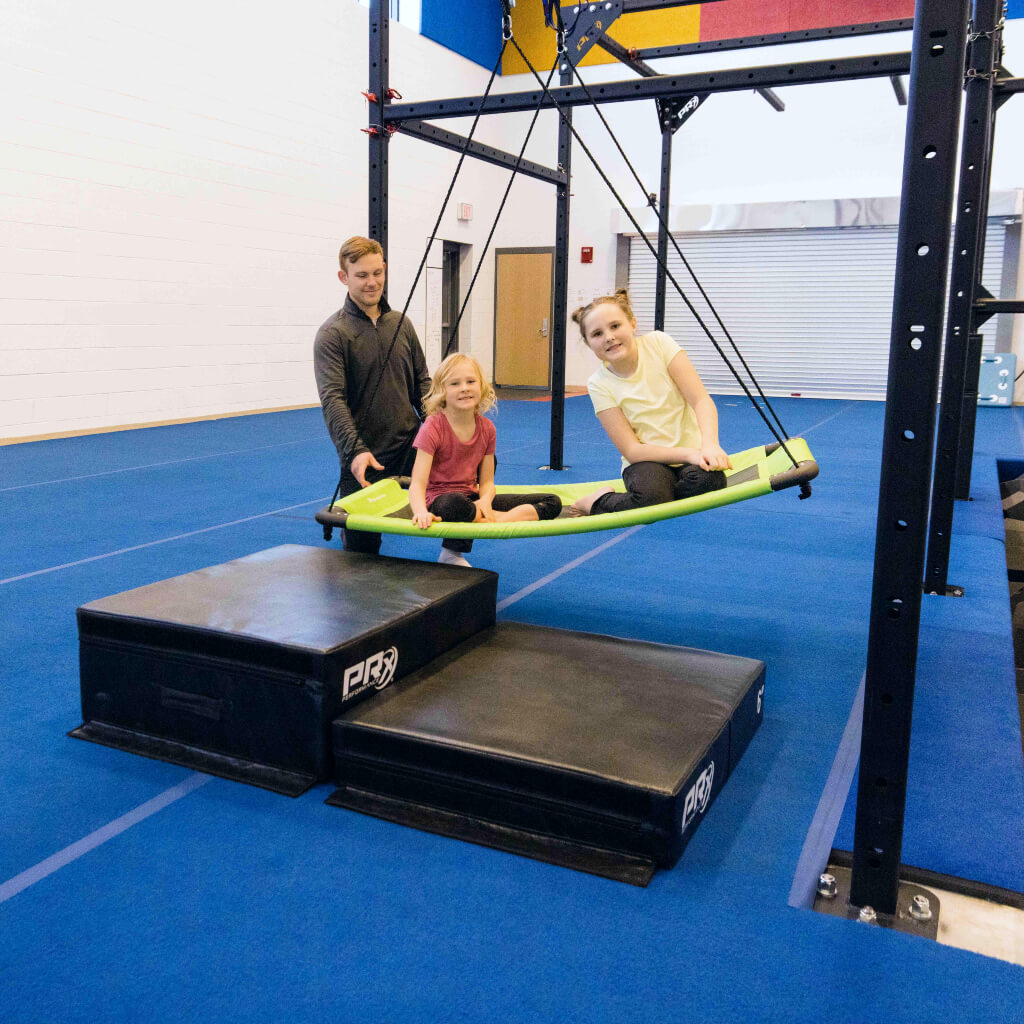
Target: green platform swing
<point>383,507</point>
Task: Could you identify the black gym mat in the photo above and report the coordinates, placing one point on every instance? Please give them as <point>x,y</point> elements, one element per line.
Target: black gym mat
<point>238,669</point>
<point>588,751</point>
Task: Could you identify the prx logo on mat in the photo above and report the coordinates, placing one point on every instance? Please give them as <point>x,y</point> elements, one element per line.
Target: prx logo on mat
<point>696,801</point>
<point>377,671</point>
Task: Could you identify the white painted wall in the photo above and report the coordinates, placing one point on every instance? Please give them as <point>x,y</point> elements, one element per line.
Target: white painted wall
<point>175,186</point>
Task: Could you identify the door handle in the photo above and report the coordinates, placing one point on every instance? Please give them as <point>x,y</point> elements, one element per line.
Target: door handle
<point>544,327</point>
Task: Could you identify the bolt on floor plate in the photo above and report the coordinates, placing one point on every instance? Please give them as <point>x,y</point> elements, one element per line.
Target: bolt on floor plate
<point>917,909</point>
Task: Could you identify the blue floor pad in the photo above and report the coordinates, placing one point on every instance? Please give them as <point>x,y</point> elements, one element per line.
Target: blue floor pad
<point>224,903</point>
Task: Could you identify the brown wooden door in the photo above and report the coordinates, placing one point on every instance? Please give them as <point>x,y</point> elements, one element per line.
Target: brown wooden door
<point>522,319</point>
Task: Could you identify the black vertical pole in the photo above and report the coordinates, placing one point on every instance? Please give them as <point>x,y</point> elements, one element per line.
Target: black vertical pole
<point>968,417</point>
<point>929,165</point>
<point>377,182</point>
<point>560,298</point>
<point>956,415</point>
<point>663,207</point>
<point>966,453</point>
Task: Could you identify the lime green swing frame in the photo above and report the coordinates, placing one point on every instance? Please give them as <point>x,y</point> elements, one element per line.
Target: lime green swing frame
<point>383,507</point>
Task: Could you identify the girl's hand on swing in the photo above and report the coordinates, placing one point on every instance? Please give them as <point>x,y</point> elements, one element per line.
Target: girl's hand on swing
<point>713,456</point>
<point>425,519</point>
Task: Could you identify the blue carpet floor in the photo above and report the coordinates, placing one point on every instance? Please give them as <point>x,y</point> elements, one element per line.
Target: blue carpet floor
<point>217,902</point>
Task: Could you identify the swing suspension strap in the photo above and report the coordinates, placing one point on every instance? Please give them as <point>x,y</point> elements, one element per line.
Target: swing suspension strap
<point>661,263</point>
<point>679,252</point>
<point>437,225</point>
<point>501,205</point>
<point>507,36</point>
<point>561,37</point>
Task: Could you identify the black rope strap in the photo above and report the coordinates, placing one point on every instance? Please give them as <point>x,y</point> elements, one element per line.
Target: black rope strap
<point>437,223</point>
<point>661,263</point>
<point>426,254</point>
<point>501,206</point>
<point>679,252</point>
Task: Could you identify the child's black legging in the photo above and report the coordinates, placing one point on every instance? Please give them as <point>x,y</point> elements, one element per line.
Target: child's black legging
<point>651,483</point>
<point>459,508</point>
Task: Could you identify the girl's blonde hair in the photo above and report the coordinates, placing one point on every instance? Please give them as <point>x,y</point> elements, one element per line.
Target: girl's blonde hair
<point>433,401</point>
<point>620,299</point>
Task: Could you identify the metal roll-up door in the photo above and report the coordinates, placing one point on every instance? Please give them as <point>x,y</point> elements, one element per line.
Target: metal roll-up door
<point>809,309</point>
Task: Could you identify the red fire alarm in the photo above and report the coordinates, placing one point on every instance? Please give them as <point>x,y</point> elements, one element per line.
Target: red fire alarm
<point>587,254</point>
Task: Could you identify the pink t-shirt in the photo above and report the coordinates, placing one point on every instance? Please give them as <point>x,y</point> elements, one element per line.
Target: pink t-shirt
<point>456,463</point>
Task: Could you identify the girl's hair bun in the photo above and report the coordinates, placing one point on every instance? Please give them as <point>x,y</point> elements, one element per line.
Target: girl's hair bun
<point>620,299</point>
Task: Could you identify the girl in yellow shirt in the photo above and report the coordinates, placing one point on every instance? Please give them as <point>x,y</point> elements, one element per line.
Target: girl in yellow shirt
<point>654,407</point>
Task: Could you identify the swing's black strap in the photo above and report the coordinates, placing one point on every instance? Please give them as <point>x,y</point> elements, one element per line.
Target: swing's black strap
<point>679,252</point>
<point>501,205</point>
<point>700,321</point>
<point>437,224</point>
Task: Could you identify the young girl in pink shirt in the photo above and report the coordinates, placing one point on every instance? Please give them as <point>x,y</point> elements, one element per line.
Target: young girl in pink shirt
<point>453,476</point>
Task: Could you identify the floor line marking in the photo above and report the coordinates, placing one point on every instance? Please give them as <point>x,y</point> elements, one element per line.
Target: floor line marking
<point>818,842</point>
<point>20,882</point>
<point>154,543</point>
<point>545,580</point>
<point>827,419</point>
<point>156,465</point>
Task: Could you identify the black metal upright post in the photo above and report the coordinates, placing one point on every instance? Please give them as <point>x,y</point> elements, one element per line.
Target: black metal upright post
<point>929,165</point>
<point>958,368</point>
<point>661,282</point>
<point>986,107</point>
<point>377,181</point>
<point>560,298</point>
<point>672,114</point>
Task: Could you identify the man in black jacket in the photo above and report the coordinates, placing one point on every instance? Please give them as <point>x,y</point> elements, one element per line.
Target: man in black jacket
<point>371,376</point>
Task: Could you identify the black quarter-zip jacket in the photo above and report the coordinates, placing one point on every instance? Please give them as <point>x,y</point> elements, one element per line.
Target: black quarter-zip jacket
<point>348,358</point>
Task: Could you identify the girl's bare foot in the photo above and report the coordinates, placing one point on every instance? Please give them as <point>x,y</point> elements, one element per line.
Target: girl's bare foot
<point>582,506</point>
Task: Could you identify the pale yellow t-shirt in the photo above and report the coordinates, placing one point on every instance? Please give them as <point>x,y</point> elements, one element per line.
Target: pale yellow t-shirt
<point>649,398</point>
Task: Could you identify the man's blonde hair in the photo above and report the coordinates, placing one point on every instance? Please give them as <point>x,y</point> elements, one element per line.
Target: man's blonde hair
<point>433,401</point>
<point>355,248</point>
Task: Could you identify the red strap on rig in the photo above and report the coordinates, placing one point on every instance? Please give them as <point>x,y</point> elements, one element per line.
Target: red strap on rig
<point>393,94</point>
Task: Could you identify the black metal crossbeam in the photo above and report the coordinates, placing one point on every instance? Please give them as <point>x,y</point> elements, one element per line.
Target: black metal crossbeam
<point>450,140</point>
<point>810,35</point>
<point>625,56</point>
<point>986,308</point>
<point>632,6</point>
<point>620,53</point>
<point>767,77</point>
<point>1008,86</point>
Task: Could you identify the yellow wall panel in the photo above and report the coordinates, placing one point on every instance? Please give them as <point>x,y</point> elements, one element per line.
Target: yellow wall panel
<point>645,28</point>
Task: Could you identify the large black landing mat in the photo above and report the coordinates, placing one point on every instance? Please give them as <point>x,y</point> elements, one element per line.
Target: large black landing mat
<point>238,669</point>
<point>586,751</point>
